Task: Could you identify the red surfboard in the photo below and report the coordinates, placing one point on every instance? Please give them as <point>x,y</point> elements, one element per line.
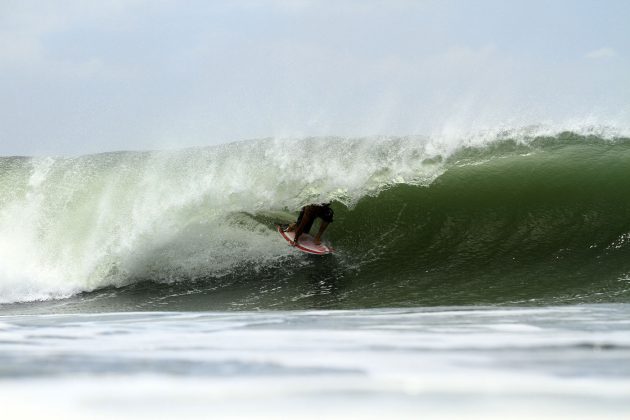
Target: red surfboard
<point>306,243</point>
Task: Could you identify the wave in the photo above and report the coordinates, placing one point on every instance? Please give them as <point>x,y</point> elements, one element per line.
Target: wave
<point>511,217</point>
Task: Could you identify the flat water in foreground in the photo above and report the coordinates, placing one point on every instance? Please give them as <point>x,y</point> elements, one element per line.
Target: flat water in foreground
<point>565,361</point>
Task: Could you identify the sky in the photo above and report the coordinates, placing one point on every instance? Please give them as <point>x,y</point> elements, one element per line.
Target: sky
<point>80,77</point>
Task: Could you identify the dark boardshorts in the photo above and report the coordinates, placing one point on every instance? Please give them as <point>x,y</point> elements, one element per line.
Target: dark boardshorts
<point>323,212</point>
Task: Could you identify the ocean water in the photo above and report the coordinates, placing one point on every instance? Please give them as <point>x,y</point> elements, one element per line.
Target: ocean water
<point>486,275</point>
<point>486,362</point>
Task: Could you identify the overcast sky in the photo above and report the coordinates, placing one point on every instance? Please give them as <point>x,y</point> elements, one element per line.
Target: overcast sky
<point>88,76</point>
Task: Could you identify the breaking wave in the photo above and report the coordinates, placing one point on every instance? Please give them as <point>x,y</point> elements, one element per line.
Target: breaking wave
<point>515,216</point>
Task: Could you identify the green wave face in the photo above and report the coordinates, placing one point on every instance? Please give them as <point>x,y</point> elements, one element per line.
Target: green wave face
<point>541,221</point>
<point>548,225</point>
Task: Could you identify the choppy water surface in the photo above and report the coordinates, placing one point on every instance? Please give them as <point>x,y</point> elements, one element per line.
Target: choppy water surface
<point>570,361</point>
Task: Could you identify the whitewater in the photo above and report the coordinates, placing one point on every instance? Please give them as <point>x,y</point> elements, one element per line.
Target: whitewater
<point>545,362</point>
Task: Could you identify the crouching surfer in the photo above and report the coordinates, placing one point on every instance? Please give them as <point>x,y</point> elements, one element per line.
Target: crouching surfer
<point>305,220</point>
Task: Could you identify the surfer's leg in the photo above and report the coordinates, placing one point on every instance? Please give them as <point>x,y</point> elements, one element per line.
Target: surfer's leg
<point>304,226</point>
<point>300,217</point>
<point>322,227</point>
<point>327,217</point>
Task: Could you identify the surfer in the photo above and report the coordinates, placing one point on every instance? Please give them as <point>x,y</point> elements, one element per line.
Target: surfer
<point>305,220</point>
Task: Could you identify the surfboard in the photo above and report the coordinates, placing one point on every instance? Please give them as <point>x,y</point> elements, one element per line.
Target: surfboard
<point>306,243</point>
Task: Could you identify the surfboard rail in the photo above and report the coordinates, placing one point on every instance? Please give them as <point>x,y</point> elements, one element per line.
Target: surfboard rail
<point>306,243</point>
